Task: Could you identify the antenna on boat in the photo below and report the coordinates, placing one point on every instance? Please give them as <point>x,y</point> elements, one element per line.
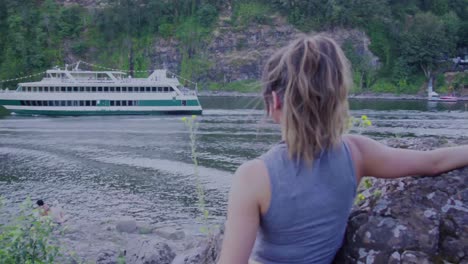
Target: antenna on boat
<point>77,66</point>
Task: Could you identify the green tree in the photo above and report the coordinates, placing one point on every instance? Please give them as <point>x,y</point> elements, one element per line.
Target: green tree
<point>424,43</point>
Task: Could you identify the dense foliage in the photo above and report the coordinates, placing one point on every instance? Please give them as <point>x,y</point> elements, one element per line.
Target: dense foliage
<point>411,38</point>
<point>29,239</point>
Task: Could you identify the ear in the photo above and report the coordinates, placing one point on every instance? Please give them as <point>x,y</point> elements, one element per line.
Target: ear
<point>276,101</point>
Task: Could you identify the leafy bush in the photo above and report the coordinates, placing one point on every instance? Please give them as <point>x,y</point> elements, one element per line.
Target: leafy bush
<point>207,15</point>
<point>384,86</point>
<point>28,239</point>
<point>80,48</point>
<point>166,30</point>
<point>248,12</point>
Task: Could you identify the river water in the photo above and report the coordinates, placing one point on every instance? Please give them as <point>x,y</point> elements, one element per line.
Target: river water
<point>140,166</point>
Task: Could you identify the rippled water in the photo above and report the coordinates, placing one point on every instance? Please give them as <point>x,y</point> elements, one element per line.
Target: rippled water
<point>107,167</point>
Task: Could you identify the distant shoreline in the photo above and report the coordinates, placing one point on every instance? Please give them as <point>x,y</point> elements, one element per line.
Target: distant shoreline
<point>351,96</point>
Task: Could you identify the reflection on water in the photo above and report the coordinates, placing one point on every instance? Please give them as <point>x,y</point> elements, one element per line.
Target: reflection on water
<point>106,167</point>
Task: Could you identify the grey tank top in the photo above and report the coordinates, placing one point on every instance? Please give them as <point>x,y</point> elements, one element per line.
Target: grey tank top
<point>309,207</point>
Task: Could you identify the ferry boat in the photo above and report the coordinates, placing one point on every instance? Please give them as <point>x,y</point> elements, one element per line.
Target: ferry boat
<point>74,92</point>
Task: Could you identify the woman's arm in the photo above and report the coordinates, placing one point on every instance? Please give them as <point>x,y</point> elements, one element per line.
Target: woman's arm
<point>375,159</point>
<point>244,212</point>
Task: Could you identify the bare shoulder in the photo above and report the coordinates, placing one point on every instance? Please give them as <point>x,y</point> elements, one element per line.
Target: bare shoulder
<point>252,181</point>
<point>252,172</point>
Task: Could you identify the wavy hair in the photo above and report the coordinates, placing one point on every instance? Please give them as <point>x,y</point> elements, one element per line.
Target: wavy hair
<point>312,77</point>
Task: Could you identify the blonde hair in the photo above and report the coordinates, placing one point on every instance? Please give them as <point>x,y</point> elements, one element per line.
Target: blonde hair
<point>312,78</point>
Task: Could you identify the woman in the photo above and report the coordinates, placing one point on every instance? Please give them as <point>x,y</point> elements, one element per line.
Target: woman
<point>292,204</point>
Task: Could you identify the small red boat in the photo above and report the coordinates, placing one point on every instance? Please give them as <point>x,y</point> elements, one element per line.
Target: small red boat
<point>449,98</point>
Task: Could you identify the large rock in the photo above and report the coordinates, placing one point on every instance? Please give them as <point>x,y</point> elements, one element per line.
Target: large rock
<point>126,225</point>
<point>107,257</point>
<point>206,252</point>
<point>147,251</point>
<point>410,220</point>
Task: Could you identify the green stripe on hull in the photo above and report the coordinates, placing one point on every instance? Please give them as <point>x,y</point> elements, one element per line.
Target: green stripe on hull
<point>100,113</point>
<point>10,102</point>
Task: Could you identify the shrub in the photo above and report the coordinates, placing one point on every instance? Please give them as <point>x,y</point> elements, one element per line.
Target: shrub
<point>28,239</point>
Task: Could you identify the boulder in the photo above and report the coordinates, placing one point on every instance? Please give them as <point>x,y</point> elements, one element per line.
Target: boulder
<point>107,257</point>
<point>147,251</point>
<point>127,225</point>
<point>205,252</point>
<point>411,220</point>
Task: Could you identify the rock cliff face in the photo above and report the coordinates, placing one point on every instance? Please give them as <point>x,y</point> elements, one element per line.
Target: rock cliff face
<point>236,54</point>
<point>233,52</point>
<point>408,220</point>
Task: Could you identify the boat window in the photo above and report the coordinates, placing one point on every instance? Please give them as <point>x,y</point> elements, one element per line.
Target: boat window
<point>117,103</point>
<point>112,89</point>
<point>40,89</point>
<point>39,103</point>
<point>69,103</point>
<point>28,89</point>
<point>82,103</point>
<point>112,103</point>
<point>28,102</point>
<point>106,89</point>
<point>62,89</point>
<point>88,89</point>
<point>117,89</point>
<point>130,89</point>
<point>153,89</point>
<point>33,103</point>
<point>166,89</point>
<point>75,89</point>
<point>22,103</point>
<point>130,103</point>
<point>184,102</point>
<point>124,103</point>
<point>142,89</point>
<point>81,89</point>
<point>46,89</point>
<point>88,103</point>
<point>45,103</point>
<point>148,89</point>
<point>93,103</point>
<point>63,103</point>
<point>135,103</point>
<point>124,89</point>
<point>69,89</point>
<point>99,89</point>
<point>75,103</point>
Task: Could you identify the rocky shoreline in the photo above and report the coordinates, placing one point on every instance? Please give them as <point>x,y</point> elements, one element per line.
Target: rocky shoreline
<point>409,220</point>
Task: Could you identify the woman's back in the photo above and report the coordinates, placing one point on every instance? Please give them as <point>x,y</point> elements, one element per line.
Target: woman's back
<point>287,211</point>
<point>309,206</point>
